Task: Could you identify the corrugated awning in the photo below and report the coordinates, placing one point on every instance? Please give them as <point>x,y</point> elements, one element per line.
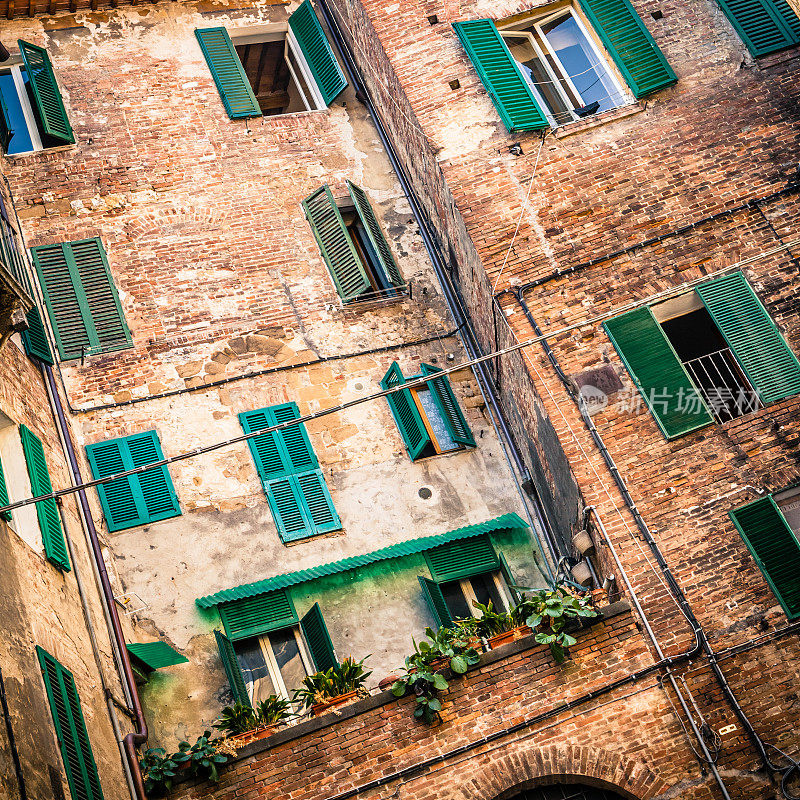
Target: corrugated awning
<point>155,655</point>
<point>505,522</point>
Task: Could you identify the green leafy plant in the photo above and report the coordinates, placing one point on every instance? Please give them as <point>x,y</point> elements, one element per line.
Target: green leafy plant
<point>240,718</point>
<point>158,770</point>
<point>204,756</point>
<point>492,622</point>
<point>273,711</point>
<point>346,677</point>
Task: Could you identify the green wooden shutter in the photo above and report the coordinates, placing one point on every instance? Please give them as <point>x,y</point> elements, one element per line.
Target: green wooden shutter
<point>269,456</point>
<point>771,367</point>
<point>764,25</point>
<point>448,406</point>
<point>49,106</point>
<point>70,727</point>
<point>286,503</point>
<point>81,298</point>
<point>317,51</point>
<point>252,616</point>
<point>658,373</point>
<point>6,515</point>
<point>509,578</point>
<point>774,547</point>
<point>432,593</point>
<point>34,338</point>
<point>335,244</point>
<point>299,454</point>
<point>55,546</point>
<point>317,503</point>
<point>405,412</point>
<point>228,73</point>
<point>232,670</point>
<point>500,74</point>
<point>318,639</point>
<point>462,559</point>
<point>630,45</point>
<point>138,499</point>
<point>373,229</point>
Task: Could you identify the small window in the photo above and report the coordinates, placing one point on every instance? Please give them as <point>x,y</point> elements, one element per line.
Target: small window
<point>789,504</point>
<point>435,424</point>
<point>461,595</point>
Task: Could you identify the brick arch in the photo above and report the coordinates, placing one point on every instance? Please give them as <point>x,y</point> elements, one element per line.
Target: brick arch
<point>505,774</point>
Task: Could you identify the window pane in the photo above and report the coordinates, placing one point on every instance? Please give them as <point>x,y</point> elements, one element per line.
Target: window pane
<point>456,602</point>
<point>20,139</point>
<point>287,654</point>
<point>485,590</point>
<point>436,421</point>
<point>254,670</point>
<point>579,59</point>
<point>789,504</point>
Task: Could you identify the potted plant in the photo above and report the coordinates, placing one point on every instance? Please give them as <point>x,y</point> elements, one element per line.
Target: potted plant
<point>499,628</point>
<point>242,724</point>
<point>333,687</point>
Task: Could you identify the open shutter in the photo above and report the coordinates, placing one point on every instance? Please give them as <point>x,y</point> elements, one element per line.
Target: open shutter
<point>6,131</point>
<point>55,546</point>
<point>630,45</point>
<point>658,373</point>
<point>462,559</point>
<point>499,73</point>
<point>317,51</point>
<point>6,515</point>
<point>46,95</point>
<point>34,338</point>
<point>448,406</point>
<point>252,616</point>
<point>432,593</point>
<point>405,412</point>
<point>70,727</point>
<point>231,666</point>
<point>774,547</point>
<point>764,25</point>
<point>228,73</point>
<point>318,639</point>
<point>335,244</point>
<point>379,243</point>
<point>509,578</point>
<point>771,367</point>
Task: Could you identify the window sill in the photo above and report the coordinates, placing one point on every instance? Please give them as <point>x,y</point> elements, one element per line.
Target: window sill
<point>59,149</point>
<point>595,121</point>
<point>371,305</point>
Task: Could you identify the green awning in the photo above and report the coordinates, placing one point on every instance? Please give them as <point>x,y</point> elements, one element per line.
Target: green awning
<point>505,522</point>
<point>154,655</point>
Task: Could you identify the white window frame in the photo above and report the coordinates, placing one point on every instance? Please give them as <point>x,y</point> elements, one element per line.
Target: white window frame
<point>275,675</point>
<point>27,111</point>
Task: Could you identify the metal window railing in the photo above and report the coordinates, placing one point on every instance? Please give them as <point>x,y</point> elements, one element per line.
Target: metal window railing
<point>11,254</point>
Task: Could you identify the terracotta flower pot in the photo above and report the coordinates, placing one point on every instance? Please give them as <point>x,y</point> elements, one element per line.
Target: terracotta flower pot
<point>333,702</point>
<point>388,681</point>
<point>241,739</point>
<point>499,639</point>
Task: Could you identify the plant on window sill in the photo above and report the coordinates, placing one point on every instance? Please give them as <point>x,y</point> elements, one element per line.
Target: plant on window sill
<point>499,627</point>
<point>335,686</point>
<point>241,721</point>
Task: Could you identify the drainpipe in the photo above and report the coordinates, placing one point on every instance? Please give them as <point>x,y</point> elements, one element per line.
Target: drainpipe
<point>12,742</point>
<point>449,290</point>
<point>139,735</point>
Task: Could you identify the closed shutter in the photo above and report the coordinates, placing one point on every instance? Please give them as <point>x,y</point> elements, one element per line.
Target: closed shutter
<point>55,546</point>
<point>34,338</point>
<point>373,229</point>
<point>137,499</point>
<point>405,412</point>
<point>52,115</point>
<point>228,73</point>
<point>70,727</point>
<point>318,639</point>
<point>81,298</point>
<point>448,407</point>
<point>774,547</point>
<point>252,616</point>
<point>658,373</point>
<point>764,25</point>
<point>630,44</point>
<point>770,366</point>
<point>500,75</point>
<point>462,559</point>
<point>509,578</point>
<point>232,670</point>
<point>432,593</point>
<point>6,515</point>
<point>318,53</point>
<point>293,482</point>
<point>335,244</point>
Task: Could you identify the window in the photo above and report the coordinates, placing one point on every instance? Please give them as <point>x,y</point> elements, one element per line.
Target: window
<point>770,527</point>
<point>460,596</point>
<point>429,417</point>
<point>81,298</point>
<point>551,67</point>
<point>266,650</point>
<point>73,739</point>
<point>290,474</point>
<point>352,243</point>
<point>765,26</point>
<point>707,356</point>
<point>138,499</point>
<point>280,70</point>
<point>33,115</point>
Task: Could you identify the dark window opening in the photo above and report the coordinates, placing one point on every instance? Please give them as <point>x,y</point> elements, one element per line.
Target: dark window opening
<point>460,595</point>
<point>789,504</point>
<point>711,365</point>
<point>567,792</point>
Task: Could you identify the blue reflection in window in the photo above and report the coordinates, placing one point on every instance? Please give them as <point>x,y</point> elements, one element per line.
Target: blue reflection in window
<point>19,137</point>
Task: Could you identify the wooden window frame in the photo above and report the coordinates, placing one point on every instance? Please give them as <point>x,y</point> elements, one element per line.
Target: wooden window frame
<point>470,596</point>
<point>15,68</point>
<point>429,428</point>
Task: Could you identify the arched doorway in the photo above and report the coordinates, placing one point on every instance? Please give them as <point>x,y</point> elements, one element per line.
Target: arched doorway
<point>563,791</point>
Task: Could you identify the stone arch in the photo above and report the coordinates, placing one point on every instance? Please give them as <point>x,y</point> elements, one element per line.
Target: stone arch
<point>503,774</point>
